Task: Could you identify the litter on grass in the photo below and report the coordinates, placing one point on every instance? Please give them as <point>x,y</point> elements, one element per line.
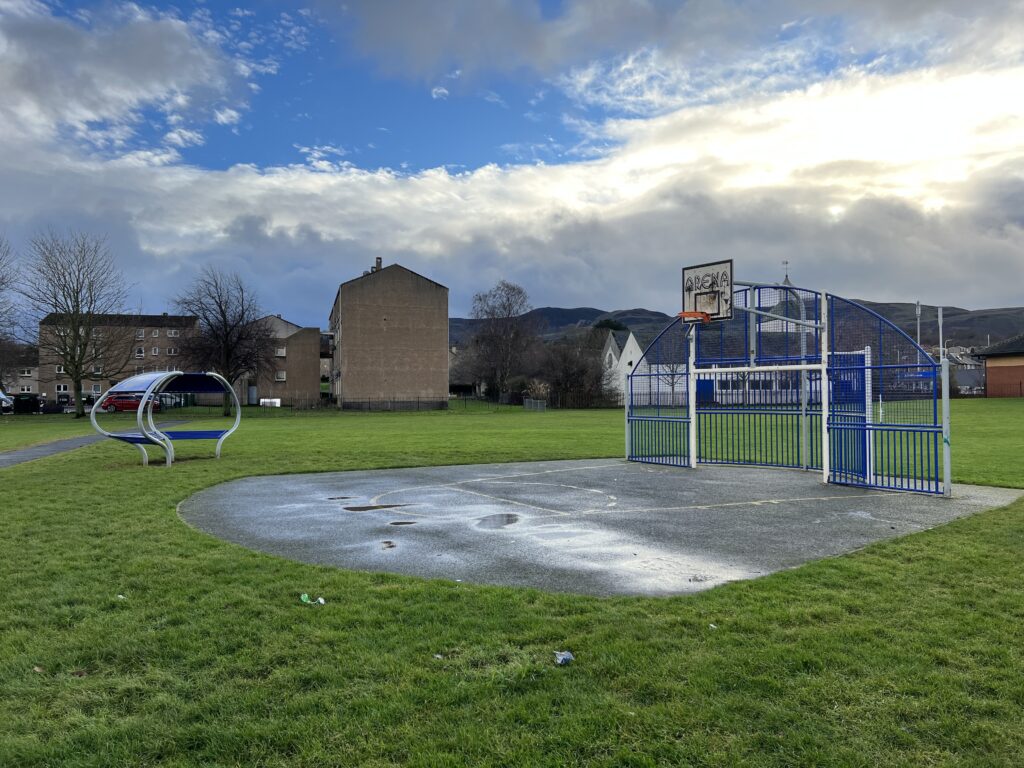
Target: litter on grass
<point>563,657</point>
<point>310,601</point>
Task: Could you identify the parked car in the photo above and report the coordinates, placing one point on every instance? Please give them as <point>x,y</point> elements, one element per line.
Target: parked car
<point>28,402</point>
<point>6,403</point>
<point>125,402</point>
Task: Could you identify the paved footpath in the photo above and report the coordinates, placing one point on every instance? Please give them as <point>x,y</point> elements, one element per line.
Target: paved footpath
<point>21,455</point>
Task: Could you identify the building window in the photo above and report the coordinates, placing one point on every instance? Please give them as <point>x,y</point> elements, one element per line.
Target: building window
<point>173,333</point>
<point>26,387</point>
<point>60,369</point>
<point>96,389</point>
<point>25,372</point>
<point>155,333</point>
<point>62,387</point>
<point>140,333</point>
<point>139,369</point>
<point>280,352</point>
<point>281,376</point>
<point>154,351</point>
<point>140,352</point>
<point>97,371</point>
<point>172,350</point>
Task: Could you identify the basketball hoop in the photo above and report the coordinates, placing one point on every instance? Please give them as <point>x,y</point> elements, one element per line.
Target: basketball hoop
<point>689,317</point>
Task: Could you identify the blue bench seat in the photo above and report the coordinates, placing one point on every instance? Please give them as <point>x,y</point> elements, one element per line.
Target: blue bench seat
<point>131,437</point>
<point>195,434</point>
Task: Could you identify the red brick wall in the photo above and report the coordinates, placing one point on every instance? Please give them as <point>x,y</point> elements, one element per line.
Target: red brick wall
<point>1004,381</point>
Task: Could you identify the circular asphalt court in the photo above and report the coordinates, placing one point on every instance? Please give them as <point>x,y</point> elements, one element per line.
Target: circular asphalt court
<point>598,527</point>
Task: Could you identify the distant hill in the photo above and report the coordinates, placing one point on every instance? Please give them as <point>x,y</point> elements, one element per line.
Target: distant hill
<point>554,322</point>
<point>964,327</point>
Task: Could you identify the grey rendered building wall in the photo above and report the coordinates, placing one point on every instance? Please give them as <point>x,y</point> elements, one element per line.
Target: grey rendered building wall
<point>391,339</point>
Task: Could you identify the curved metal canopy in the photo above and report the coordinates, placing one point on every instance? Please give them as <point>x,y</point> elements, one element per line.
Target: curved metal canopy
<point>149,387</point>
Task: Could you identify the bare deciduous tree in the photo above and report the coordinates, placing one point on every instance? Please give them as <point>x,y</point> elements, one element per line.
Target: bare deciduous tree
<point>8,278</point>
<point>504,334</point>
<point>232,339</point>
<point>71,286</point>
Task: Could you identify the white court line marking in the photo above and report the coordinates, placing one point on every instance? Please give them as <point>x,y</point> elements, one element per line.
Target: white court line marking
<point>749,503</point>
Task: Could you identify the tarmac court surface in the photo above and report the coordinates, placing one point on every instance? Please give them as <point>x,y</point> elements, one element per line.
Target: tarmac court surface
<point>599,527</point>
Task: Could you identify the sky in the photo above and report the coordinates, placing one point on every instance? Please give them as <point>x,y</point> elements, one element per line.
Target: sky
<point>585,150</point>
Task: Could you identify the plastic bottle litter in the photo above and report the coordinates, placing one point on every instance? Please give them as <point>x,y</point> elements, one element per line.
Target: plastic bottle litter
<point>310,601</point>
<point>563,657</point>
<point>121,597</point>
<point>712,626</point>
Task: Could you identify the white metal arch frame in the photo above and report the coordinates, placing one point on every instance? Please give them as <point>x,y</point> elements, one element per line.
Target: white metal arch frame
<point>150,386</point>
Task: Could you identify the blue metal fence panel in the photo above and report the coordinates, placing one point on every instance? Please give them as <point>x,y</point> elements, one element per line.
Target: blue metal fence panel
<point>883,427</point>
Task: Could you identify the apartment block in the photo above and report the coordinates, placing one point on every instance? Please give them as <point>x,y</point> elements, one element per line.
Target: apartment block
<point>390,329</point>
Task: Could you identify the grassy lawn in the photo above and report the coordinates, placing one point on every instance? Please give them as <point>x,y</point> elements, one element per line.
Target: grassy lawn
<point>906,653</point>
<point>23,431</point>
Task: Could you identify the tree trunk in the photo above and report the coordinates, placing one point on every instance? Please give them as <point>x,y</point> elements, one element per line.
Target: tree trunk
<point>79,400</point>
<point>227,404</point>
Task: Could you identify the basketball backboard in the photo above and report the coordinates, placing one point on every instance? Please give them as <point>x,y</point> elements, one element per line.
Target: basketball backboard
<point>707,288</point>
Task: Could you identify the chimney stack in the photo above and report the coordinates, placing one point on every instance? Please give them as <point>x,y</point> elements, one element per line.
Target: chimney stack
<point>377,265</point>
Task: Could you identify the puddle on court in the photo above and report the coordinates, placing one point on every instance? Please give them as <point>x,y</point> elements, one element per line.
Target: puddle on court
<point>339,498</point>
<point>500,520</point>
<point>372,507</point>
<point>388,544</point>
<point>402,522</point>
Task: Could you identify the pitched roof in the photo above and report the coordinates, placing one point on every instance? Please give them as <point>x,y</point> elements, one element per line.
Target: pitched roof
<point>162,321</point>
<point>1012,346</point>
<point>371,273</point>
<point>621,337</point>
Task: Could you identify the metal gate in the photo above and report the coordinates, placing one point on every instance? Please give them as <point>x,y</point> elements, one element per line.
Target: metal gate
<point>755,390</point>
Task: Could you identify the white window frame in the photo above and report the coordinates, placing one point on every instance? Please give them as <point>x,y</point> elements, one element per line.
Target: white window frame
<point>26,388</point>
<point>61,388</point>
<point>173,333</point>
<point>280,351</point>
<point>156,333</point>
<point>60,369</point>
<point>140,352</point>
<point>24,371</point>
<point>172,351</point>
<point>155,351</point>
<point>140,333</point>
<point>97,389</point>
<point>281,376</point>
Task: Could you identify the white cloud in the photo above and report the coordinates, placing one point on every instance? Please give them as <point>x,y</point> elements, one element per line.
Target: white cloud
<point>183,137</point>
<point>59,75</point>
<point>227,116</point>
<point>439,92</point>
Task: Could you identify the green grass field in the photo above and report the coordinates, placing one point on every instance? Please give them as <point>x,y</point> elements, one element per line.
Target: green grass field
<point>905,653</point>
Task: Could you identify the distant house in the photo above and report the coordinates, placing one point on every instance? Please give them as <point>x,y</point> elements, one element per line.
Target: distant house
<point>391,348</point>
<point>19,369</point>
<point>622,351</point>
<point>151,343</point>
<point>1004,368</point>
<point>968,370</point>
<point>294,378</point>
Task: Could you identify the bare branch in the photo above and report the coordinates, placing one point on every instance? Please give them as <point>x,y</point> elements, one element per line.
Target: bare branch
<point>232,338</point>
<point>504,334</point>
<point>70,286</point>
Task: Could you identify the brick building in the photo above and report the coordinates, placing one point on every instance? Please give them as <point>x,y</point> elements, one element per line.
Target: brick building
<point>146,343</point>
<point>390,330</point>
<point>295,377</point>
<point>1004,368</point>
